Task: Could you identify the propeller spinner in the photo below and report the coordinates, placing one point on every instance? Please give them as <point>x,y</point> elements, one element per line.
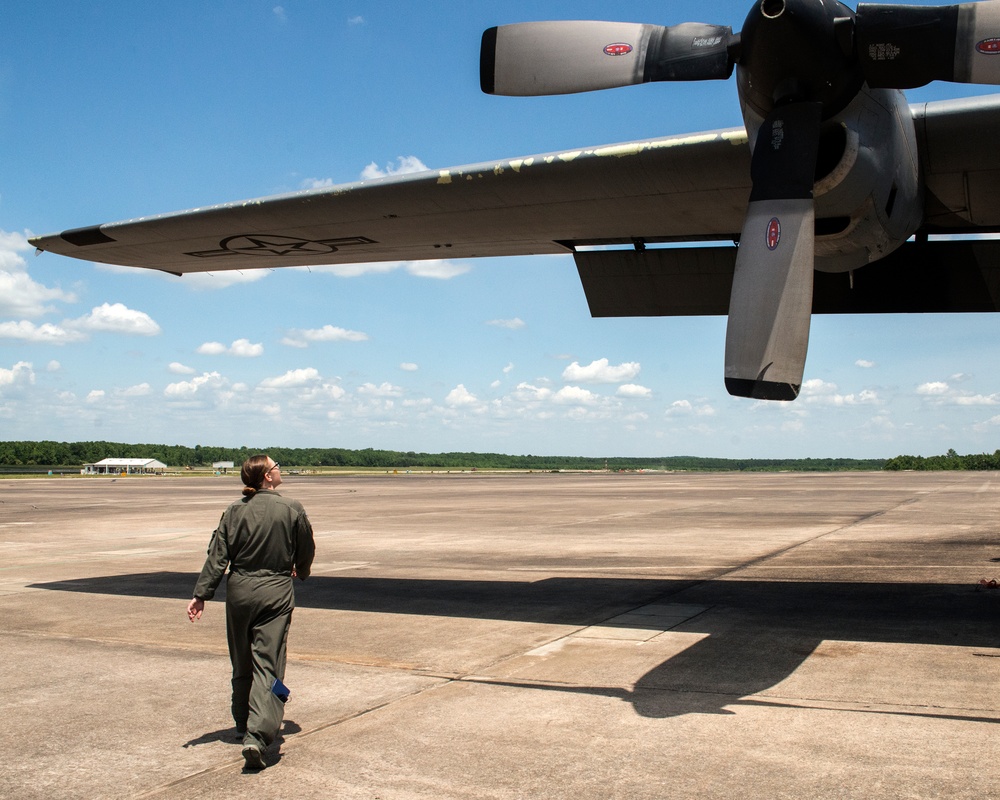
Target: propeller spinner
<point>799,62</point>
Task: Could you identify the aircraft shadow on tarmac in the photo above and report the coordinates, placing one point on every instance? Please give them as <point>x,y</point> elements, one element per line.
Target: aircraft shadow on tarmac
<point>758,632</point>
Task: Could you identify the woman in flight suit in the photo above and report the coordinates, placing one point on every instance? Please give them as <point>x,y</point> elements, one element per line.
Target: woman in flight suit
<point>265,540</point>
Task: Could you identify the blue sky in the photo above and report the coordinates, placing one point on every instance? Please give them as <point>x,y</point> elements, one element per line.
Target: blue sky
<point>113,110</point>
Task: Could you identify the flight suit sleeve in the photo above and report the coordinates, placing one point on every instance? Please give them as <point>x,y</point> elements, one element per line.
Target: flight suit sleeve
<point>215,563</point>
<point>305,546</point>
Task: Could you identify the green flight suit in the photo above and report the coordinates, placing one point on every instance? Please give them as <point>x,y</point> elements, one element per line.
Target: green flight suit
<point>260,538</point>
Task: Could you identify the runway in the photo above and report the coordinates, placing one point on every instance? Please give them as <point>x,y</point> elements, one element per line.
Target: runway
<point>542,635</point>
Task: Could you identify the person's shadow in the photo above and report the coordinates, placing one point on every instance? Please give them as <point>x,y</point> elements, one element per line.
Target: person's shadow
<point>229,736</point>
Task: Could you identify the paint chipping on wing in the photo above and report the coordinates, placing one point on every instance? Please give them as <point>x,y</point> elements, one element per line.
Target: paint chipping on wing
<point>571,156</point>
<point>444,176</point>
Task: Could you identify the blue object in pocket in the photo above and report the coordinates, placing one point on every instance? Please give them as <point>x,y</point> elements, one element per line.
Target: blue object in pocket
<point>280,690</point>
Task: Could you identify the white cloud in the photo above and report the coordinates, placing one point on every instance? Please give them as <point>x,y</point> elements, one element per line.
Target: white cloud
<point>819,392</point>
<point>976,400</point>
<point>46,333</point>
<point>509,368</point>
<point>681,408</point>
<point>328,333</point>
<point>933,388</point>
<point>405,165</point>
<point>356,20</point>
<point>180,369</point>
<point>633,390</point>
<point>139,390</point>
<point>292,379</point>
<point>115,318</point>
<point>527,393</point>
<point>279,12</point>
<point>383,390</point>
<point>21,374</point>
<point>460,396</point>
<point>242,348</point>
<point>20,295</point>
<point>95,395</point>
<point>439,269</point>
<point>601,371</point>
<point>511,324</point>
<point>53,366</point>
<point>574,395</point>
<point>864,363</point>
<point>183,389</point>
<point>223,279</point>
<point>408,366</point>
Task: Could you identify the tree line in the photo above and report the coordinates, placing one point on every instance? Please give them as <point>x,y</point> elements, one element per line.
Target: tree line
<point>50,454</point>
<point>74,454</point>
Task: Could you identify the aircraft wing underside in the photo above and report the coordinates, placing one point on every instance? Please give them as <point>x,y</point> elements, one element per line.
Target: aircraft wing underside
<point>690,188</point>
<point>676,188</point>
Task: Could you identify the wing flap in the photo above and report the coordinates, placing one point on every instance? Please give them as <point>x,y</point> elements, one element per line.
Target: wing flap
<point>927,277</point>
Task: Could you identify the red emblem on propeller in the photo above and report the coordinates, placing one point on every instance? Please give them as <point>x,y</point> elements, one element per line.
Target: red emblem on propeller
<point>990,47</point>
<point>773,233</point>
<point>618,49</point>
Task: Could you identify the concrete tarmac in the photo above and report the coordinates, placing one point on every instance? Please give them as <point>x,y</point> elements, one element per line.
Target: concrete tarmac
<point>576,636</point>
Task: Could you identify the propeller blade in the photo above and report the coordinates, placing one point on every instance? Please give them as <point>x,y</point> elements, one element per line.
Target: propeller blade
<point>902,47</point>
<point>770,307</point>
<point>544,58</point>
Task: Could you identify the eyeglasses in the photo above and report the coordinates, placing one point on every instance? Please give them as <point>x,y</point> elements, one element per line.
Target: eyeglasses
<point>276,466</point>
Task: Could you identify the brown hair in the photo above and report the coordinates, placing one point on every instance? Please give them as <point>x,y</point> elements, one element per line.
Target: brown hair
<point>253,471</point>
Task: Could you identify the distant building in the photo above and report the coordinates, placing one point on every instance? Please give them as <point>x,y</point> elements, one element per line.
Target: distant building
<point>126,466</point>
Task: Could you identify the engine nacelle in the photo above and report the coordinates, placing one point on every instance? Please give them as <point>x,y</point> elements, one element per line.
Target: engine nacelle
<point>867,191</point>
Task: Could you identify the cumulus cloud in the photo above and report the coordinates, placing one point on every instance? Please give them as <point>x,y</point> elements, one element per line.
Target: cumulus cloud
<point>382,390</point>
<point>933,388</point>
<point>574,395</point>
<point>460,396</point>
<point>682,408</point>
<point>328,333</point>
<point>864,363</point>
<point>180,369</point>
<point>633,390</point>
<point>405,165</point>
<point>439,269</point>
<point>139,390</point>
<point>601,371</point>
<point>21,374</point>
<point>510,324</point>
<point>46,333</point>
<point>20,295</point>
<point>95,395</point>
<point>408,366</point>
<point>116,318</point>
<point>186,389</point>
<point>292,379</point>
<point>820,392</point>
<point>526,392</point>
<point>241,348</point>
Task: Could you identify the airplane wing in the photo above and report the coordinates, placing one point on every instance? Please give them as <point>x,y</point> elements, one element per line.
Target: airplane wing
<point>691,188</point>
<point>677,188</point>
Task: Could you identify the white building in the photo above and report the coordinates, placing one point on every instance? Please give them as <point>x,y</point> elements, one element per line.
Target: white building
<point>124,466</point>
